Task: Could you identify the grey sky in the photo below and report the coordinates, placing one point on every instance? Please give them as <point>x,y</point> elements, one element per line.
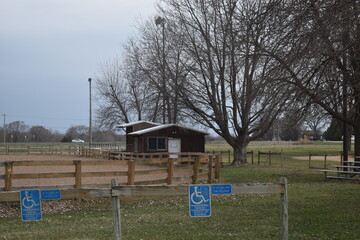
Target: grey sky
<point>48,50</point>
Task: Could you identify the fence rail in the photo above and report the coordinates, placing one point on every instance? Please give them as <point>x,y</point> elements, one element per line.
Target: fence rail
<point>196,168</point>
<point>42,150</point>
<point>116,191</point>
<point>269,154</point>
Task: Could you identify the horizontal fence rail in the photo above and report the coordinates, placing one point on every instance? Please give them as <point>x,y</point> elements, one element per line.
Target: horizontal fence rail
<point>163,171</point>
<point>98,150</point>
<point>116,191</point>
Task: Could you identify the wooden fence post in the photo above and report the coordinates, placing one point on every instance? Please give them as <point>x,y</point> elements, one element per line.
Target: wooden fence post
<point>77,173</point>
<point>170,171</point>
<point>28,150</point>
<point>210,162</point>
<point>116,212</point>
<point>325,161</point>
<point>284,211</point>
<point>217,166</point>
<point>252,157</point>
<point>196,170</point>
<point>341,158</point>
<point>259,153</point>
<point>8,175</point>
<point>269,158</point>
<point>131,172</point>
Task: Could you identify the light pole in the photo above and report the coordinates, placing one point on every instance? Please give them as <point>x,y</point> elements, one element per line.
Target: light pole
<point>90,121</point>
<point>161,21</point>
<point>4,129</point>
<point>345,125</point>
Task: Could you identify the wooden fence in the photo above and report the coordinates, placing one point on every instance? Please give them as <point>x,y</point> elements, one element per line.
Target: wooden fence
<point>325,158</point>
<point>42,150</point>
<point>196,168</point>
<point>116,191</point>
<point>269,154</point>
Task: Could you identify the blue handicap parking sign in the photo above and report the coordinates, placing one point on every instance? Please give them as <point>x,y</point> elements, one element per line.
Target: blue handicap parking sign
<point>200,200</point>
<point>50,194</point>
<point>222,189</point>
<point>30,205</point>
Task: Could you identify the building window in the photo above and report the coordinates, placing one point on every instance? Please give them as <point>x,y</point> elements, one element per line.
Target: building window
<point>157,143</point>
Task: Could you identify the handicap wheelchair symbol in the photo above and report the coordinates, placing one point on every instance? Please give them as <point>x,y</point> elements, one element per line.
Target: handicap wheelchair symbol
<point>28,201</point>
<point>197,197</point>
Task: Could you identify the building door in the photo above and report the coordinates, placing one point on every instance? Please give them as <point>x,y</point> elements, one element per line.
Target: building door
<point>136,144</point>
<point>174,146</point>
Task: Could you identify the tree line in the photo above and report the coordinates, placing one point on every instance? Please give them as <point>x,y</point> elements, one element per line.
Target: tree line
<point>238,68</point>
<point>18,131</point>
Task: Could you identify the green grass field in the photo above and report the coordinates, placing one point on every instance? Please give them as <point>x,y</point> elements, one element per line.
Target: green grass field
<point>318,209</point>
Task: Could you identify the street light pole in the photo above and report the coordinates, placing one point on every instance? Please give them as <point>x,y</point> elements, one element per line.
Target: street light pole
<point>345,125</point>
<point>161,21</point>
<point>4,129</point>
<point>90,114</point>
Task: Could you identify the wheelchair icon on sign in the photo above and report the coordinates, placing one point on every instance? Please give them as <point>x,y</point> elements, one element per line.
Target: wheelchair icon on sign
<point>197,197</point>
<point>28,201</point>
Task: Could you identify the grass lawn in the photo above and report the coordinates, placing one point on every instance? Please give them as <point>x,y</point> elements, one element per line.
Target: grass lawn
<point>318,209</point>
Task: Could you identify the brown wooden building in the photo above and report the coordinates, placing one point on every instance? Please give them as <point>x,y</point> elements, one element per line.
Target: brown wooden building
<point>148,137</point>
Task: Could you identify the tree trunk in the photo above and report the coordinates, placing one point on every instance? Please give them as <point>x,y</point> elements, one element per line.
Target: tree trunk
<point>240,149</point>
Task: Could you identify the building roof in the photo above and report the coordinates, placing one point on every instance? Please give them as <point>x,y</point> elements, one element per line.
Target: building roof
<point>135,123</point>
<point>159,127</point>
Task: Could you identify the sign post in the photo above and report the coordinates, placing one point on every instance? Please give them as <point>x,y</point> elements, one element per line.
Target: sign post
<point>30,201</point>
<point>200,201</point>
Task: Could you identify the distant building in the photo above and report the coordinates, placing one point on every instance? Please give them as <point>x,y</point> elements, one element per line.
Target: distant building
<point>311,135</point>
<point>148,137</point>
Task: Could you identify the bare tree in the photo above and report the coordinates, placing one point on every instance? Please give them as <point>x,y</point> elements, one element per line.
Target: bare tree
<point>112,93</point>
<point>317,119</point>
<point>40,134</point>
<point>146,92</point>
<point>229,87</point>
<point>155,56</point>
<point>79,131</point>
<point>317,44</point>
<point>15,131</point>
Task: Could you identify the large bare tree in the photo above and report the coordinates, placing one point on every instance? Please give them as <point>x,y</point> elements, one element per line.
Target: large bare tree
<point>230,87</point>
<point>317,44</point>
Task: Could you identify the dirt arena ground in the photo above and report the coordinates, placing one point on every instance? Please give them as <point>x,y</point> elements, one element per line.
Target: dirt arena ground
<point>71,181</point>
<point>321,158</point>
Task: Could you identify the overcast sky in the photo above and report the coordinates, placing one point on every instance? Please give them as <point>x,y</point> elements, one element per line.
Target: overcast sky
<point>49,49</point>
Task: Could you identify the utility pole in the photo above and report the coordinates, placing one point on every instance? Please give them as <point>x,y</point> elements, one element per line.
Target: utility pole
<point>4,128</point>
<point>345,125</point>
<point>161,21</point>
<point>90,121</point>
